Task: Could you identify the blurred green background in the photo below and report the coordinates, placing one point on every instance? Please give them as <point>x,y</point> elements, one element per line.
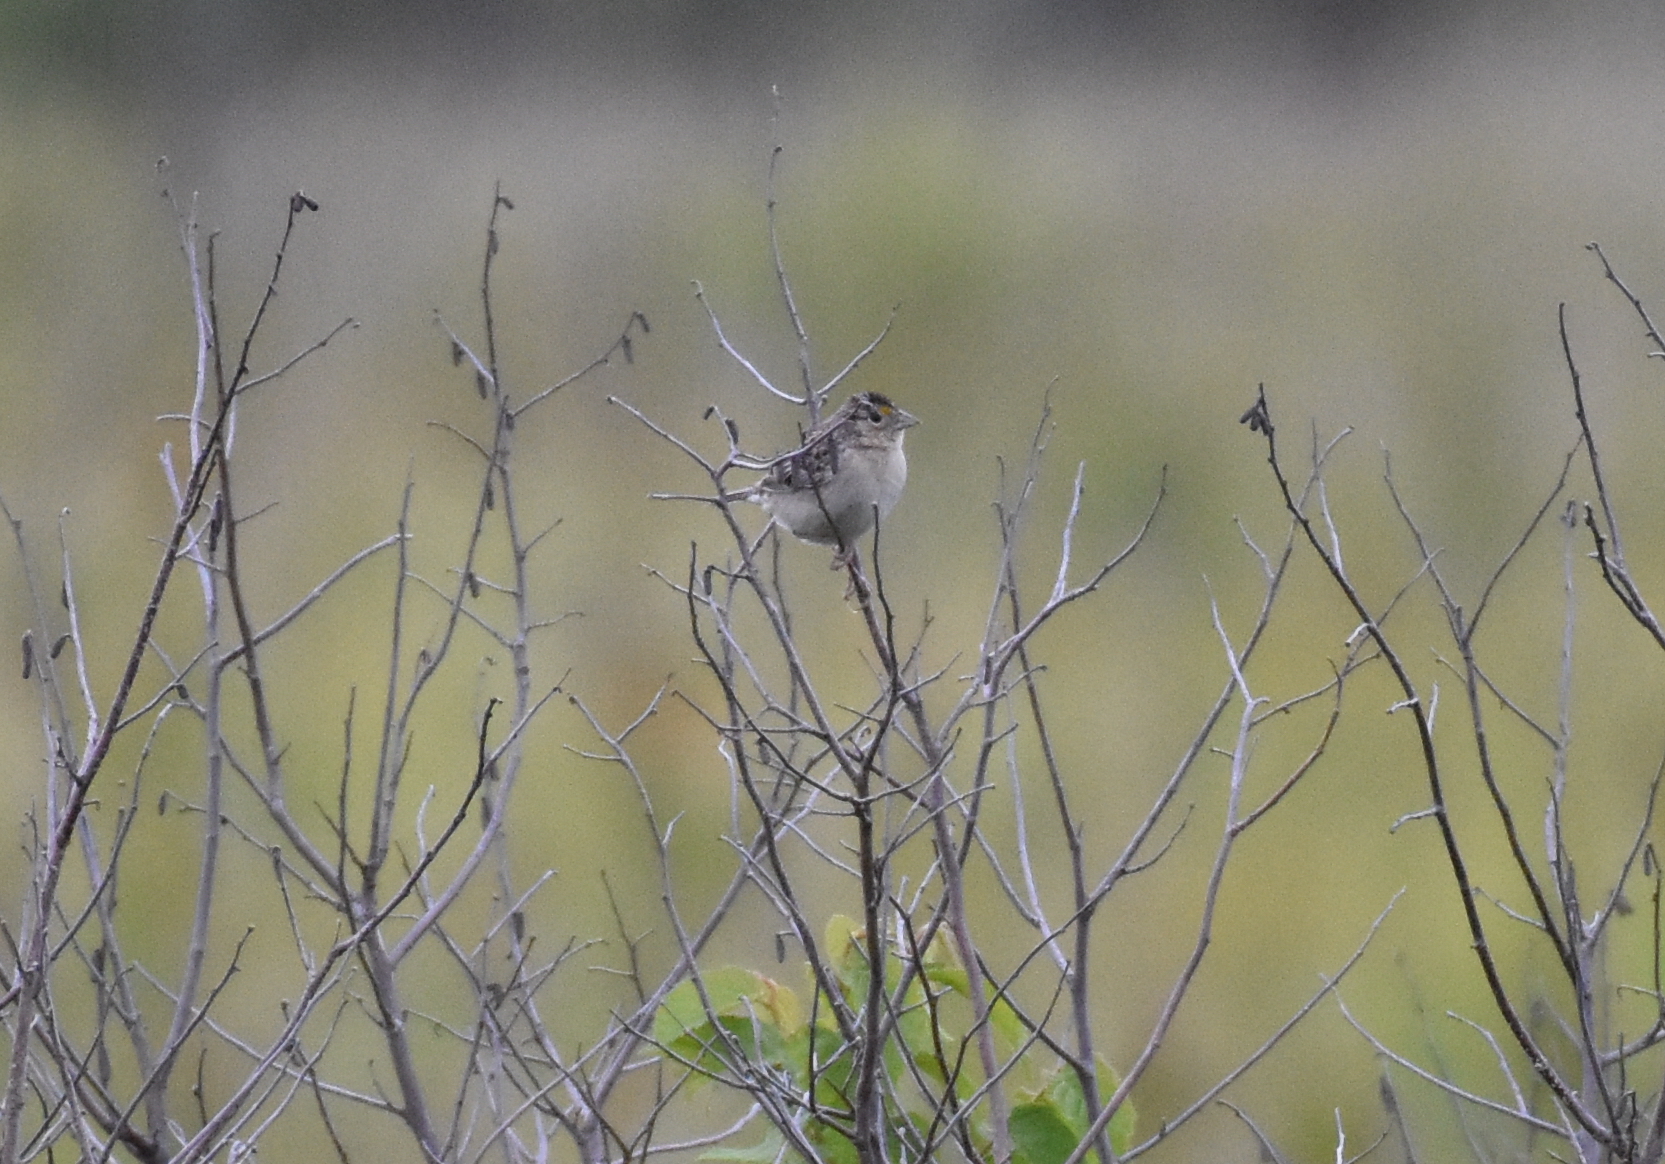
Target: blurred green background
<point>1375,209</point>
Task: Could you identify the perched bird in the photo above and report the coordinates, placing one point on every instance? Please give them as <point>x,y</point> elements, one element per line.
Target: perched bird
<point>826,490</point>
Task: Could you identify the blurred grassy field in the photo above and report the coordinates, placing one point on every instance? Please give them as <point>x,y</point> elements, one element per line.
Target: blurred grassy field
<point>1154,241</point>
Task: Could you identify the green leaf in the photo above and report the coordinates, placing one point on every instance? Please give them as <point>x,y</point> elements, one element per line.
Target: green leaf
<point>1041,1135</point>
<point>953,977</point>
<point>1009,1031</point>
<point>1122,1124</point>
<point>942,968</point>
<point>832,1070</point>
<point>683,1011</point>
<point>833,1145</point>
<point>766,1151</point>
<point>846,943</point>
<point>1060,1109</point>
<point>760,1014</point>
<point>933,1050</point>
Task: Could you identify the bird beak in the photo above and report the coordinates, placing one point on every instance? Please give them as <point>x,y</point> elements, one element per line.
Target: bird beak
<point>903,418</point>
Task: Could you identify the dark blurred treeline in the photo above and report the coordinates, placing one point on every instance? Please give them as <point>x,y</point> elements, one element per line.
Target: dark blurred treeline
<point>196,51</point>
